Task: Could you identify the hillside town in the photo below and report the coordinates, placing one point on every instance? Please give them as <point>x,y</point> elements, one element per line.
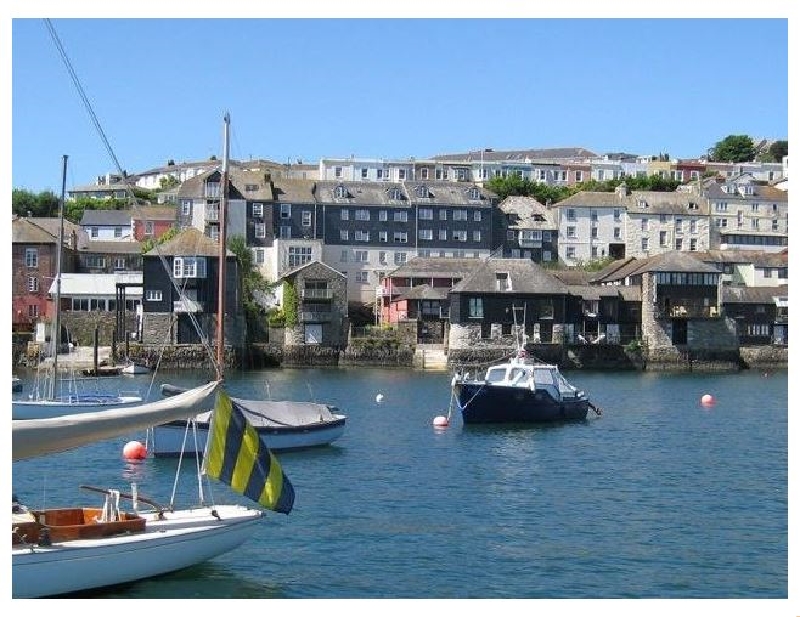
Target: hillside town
<point>422,252</point>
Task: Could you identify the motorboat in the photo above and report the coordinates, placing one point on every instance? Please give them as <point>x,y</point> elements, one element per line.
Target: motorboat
<point>520,390</point>
<point>132,368</point>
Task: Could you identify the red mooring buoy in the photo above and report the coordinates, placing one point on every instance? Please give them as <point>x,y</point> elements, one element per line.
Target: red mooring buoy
<point>134,450</point>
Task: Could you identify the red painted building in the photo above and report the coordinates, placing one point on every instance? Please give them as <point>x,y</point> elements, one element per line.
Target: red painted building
<point>150,222</point>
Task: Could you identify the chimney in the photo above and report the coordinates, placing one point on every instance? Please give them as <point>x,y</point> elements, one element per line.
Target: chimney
<point>549,204</point>
<point>267,177</point>
<point>622,190</point>
<point>73,241</point>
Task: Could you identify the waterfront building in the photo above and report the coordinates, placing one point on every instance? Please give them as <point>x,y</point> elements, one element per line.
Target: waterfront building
<point>526,229</point>
<point>761,314</point>
<point>151,221</point>
<point>107,225</point>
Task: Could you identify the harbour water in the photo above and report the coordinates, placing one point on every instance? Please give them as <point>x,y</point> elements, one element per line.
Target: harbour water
<point>659,497</point>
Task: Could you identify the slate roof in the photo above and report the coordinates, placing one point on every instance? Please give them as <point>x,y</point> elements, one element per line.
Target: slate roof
<point>672,261</point>
<point>573,277</point>
<point>592,199</point>
<point>752,295</point>
<point>529,213</point>
<point>111,247</point>
<point>192,242</point>
<point>294,271</point>
<point>24,231</point>
<point>154,213</point>
<point>435,267</point>
<point>119,218</point>
<point>238,179</point>
<point>525,277</point>
<point>30,230</point>
<point>665,202</point>
<point>510,155</point>
<point>736,256</point>
<point>294,191</point>
<point>379,193</point>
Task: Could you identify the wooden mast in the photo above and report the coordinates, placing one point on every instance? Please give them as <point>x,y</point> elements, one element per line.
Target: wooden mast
<point>222,240</point>
<point>55,334</point>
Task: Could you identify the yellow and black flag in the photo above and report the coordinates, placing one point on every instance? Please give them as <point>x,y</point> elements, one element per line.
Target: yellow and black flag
<point>236,456</point>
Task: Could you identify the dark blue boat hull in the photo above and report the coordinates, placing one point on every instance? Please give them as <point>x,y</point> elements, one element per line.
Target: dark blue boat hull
<point>482,403</point>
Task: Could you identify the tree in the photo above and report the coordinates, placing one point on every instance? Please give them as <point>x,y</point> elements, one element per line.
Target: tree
<point>149,244</point>
<point>733,149</point>
<point>38,204</point>
<point>779,149</point>
<point>251,278</point>
<point>168,182</point>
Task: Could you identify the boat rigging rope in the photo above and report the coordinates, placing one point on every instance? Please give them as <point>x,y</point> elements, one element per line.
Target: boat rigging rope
<point>87,104</point>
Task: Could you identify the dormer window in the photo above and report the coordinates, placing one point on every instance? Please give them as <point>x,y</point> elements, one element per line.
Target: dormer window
<point>422,191</point>
<point>395,193</point>
<point>474,193</point>
<point>502,281</point>
<point>641,203</point>
<point>341,192</point>
<point>692,206</point>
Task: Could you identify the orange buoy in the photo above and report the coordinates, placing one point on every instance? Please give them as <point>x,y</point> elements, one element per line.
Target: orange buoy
<point>440,422</point>
<point>134,450</point>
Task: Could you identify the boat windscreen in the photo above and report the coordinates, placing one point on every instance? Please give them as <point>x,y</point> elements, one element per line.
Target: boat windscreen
<point>496,374</point>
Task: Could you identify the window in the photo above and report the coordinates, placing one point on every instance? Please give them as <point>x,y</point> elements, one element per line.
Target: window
<point>594,232</point>
<point>570,252</point>
<point>547,256</point>
<point>425,214</point>
<point>363,173</point>
<point>362,215</point>
<point>678,244</point>
<point>395,193</point>
<point>118,232</point>
<point>617,215</point>
<point>442,215</point>
<point>474,194</point>
<point>570,214</point>
<point>261,230</point>
<point>424,253</point>
<point>442,234</point>
<point>341,192</point>
<point>382,257</point>
<point>361,256</point>
<point>754,224</point>
<point>571,231</point>
<point>362,277</point>
<point>662,218</point>
<point>149,228</point>
<point>186,207</point>
<point>424,173</point>
<point>32,258</point>
<point>343,257</point>
<point>476,308</point>
<point>258,210</point>
<point>383,236</point>
<point>344,234</point>
<point>153,295</point>
<point>501,281</point>
<point>93,232</point>
<point>774,224</point>
<point>258,256</point>
<point>425,234</point>
<point>644,224</point>
<point>693,206</point>
<point>460,215</point>
<point>693,226</point>
<point>399,258</point>
<point>119,263</point>
<point>476,216</point>
<point>362,236</point>
<point>337,172</point>
<point>401,174</point>
<point>344,214</point>
<point>95,261</point>
<point>617,233</point>
<point>422,192</point>
<point>767,273</point>
<point>400,216</point>
<point>380,174</point>
<point>693,244</point>
<point>578,175</point>
<point>593,216</point>
<point>383,215</point>
<point>33,283</point>
<point>306,218</point>
<point>754,207</point>
<point>594,251</point>
<point>476,236</point>
<point>33,310</point>
<point>299,256</point>
<point>250,188</point>
<point>662,238</point>
<point>645,244</point>
<point>461,236</point>
<point>189,267</point>
<point>400,236</point>
<point>286,211</point>
<point>601,174</point>
<point>721,206</point>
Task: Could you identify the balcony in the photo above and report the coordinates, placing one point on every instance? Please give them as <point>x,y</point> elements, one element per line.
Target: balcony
<point>212,216</point>
<point>316,294</point>
<point>688,312</point>
<point>187,306</point>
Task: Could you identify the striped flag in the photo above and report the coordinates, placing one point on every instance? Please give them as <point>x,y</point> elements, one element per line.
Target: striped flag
<point>236,456</point>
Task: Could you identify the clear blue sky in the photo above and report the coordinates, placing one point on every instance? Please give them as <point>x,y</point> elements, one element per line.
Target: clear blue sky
<point>392,88</point>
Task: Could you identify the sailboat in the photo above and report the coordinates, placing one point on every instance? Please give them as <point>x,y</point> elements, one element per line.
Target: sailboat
<point>65,550</point>
<point>57,394</point>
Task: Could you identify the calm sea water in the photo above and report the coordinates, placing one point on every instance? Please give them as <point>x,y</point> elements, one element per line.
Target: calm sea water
<point>657,498</point>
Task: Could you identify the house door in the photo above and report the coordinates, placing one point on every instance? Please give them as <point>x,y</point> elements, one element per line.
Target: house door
<point>313,334</point>
<point>187,334</point>
<point>780,335</point>
<point>680,332</point>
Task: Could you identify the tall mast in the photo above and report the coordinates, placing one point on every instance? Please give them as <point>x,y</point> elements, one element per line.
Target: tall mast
<point>55,335</point>
<point>222,240</point>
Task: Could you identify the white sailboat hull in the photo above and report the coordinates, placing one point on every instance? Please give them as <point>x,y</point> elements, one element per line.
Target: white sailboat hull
<point>37,410</point>
<point>134,369</point>
<point>185,538</point>
<point>168,439</point>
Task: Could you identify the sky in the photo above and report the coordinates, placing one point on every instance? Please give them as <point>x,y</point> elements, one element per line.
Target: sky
<point>384,87</point>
